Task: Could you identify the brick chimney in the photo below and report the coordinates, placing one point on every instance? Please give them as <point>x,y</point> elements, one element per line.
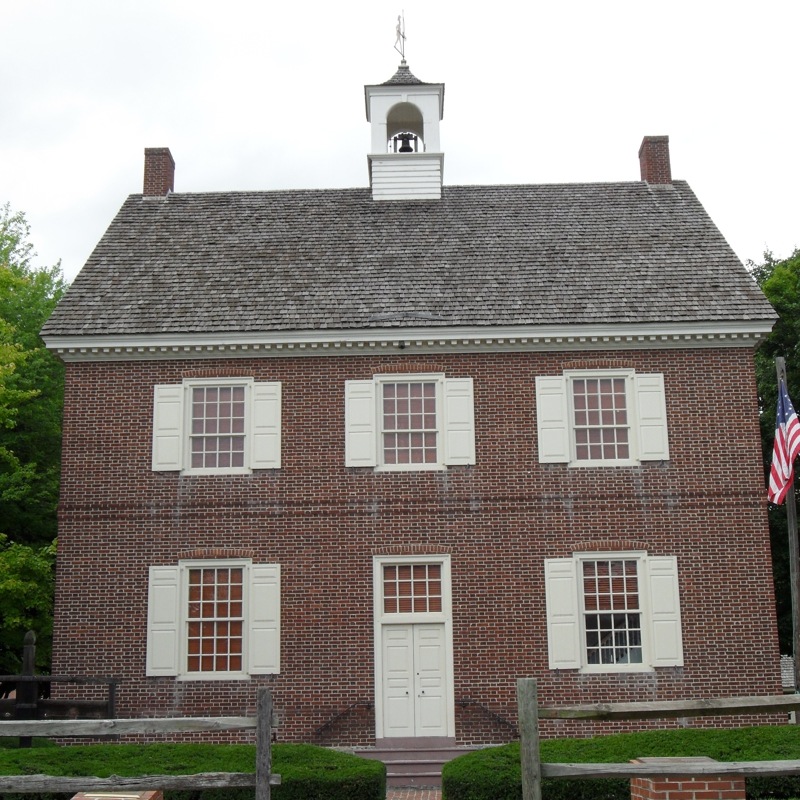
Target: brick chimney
<point>159,172</point>
<point>654,159</point>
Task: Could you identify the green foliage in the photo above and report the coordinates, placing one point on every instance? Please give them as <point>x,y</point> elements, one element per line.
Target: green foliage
<point>307,772</point>
<point>31,391</point>
<point>780,282</point>
<point>31,401</point>
<point>26,601</point>
<point>494,773</point>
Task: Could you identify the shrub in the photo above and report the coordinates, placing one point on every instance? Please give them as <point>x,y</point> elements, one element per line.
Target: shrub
<point>307,772</point>
<point>494,773</point>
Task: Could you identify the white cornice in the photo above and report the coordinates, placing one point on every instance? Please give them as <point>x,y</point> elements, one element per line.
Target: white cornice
<point>409,340</point>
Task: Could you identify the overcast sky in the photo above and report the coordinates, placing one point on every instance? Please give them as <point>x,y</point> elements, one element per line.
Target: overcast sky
<point>269,95</point>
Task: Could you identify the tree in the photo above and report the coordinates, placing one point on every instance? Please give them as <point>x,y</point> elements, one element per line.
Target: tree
<point>33,390</point>
<point>31,400</point>
<point>780,282</point>
<point>26,602</point>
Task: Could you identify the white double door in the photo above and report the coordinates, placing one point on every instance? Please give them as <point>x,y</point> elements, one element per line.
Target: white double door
<point>416,692</point>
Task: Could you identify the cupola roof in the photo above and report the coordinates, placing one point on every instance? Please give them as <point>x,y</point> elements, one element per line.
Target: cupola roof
<point>403,77</point>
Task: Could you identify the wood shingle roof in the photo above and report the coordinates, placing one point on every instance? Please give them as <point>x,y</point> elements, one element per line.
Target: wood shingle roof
<point>612,253</point>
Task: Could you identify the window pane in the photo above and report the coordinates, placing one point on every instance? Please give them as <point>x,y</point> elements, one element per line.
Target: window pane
<point>217,412</point>
<point>611,586</point>
<point>215,624</point>
<point>600,419</point>
<point>409,423</point>
<point>419,588</point>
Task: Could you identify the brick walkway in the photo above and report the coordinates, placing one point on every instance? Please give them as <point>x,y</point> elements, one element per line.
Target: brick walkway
<point>414,794</point>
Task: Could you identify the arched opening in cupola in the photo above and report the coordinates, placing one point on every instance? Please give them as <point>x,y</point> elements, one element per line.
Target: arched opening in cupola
<point>405,129</point>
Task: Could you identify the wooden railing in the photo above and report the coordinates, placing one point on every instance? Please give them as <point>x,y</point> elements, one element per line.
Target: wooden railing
<point>533,770</point>
<point>261,779</point>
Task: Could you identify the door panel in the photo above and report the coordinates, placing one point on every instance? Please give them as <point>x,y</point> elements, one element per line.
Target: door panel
<point>398,680</point>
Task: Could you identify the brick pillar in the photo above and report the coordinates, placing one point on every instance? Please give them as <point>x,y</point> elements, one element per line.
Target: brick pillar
<point>159,172</point>
<point>686,787</point>
<point>654,159</point>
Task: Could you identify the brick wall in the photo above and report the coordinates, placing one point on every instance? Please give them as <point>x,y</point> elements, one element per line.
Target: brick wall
<point>498,520</point>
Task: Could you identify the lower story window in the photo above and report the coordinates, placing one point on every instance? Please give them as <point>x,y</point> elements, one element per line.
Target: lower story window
<point>213,619</point>
<point>613,612</point>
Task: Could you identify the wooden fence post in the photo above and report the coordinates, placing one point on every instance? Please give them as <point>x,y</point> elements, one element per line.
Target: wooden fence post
<point>27,691</point>
<point>527,706</point>
<point>263,744</point>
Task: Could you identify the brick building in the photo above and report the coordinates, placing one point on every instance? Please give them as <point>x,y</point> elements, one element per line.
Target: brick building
<point>387,449</point>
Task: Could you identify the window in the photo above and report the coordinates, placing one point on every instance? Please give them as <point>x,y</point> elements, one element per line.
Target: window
<point>612,616</point>
<point>600,417</point>
<point>603,418</point>
<point>217,427</point>
<point>409,422</point>
<point>212,426</point>
<point>412,588</point>
<point>409,430</point>
<point>214,619</point>
<point>613,612</point>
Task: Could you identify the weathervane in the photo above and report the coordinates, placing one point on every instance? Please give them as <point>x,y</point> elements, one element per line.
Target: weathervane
<point>400,41</point>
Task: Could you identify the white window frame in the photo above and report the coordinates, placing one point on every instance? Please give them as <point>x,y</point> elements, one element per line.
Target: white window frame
<point>455,422</point>
<point>646,411</point>
<point>659,609</point>
<point>167,617</point>
<point>172,420</point>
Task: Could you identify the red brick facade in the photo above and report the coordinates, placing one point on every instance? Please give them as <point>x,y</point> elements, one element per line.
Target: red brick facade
<point>497,520</point>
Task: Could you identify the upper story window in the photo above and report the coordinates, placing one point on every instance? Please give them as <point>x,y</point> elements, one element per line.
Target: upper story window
<point>613,612</point>
<point>409,427</point>
<point>409,422</point>
<point>217,426</point>
<point>213,619</point>
<point>601,418</point>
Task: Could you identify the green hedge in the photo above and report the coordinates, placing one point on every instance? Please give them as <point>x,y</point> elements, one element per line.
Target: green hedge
<point>494,773</point>
<point>307,772</point>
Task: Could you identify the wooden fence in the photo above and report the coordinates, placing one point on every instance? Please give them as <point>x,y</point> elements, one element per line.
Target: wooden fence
<point>533,770</point>
<point>262,779</point>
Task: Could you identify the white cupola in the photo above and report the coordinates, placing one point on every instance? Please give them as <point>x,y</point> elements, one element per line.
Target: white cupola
<point>405,159</point>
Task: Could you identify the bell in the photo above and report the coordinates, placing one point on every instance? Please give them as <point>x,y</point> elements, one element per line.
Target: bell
<point>406,147</point>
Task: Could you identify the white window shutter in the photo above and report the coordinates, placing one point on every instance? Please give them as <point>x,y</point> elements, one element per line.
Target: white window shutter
<point>264,647</point>
<point>361,423</point>
<point>265,427</point>
<point>665,611</point>
<point>552,419</point>
<point>563,615</point>
<point>651,408</point>
<point>459,421</point>
<point>168,427</point>
<point>163,621</point>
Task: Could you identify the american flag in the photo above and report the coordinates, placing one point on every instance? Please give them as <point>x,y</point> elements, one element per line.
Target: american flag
<point>786,448</point>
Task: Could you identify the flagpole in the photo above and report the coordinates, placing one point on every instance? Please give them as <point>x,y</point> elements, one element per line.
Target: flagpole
<point>794,555</point>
